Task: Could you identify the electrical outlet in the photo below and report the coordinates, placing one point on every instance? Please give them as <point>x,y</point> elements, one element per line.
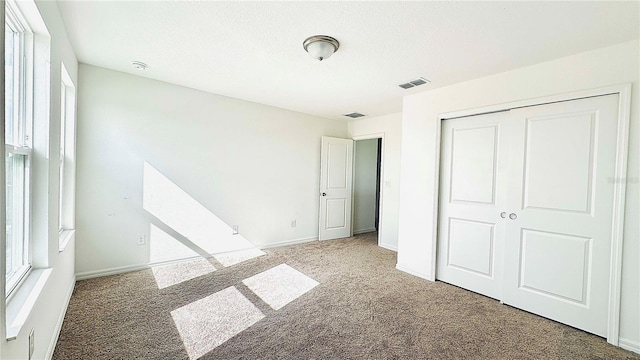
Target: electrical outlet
<point>31,346</point>
<point>235,230</point>
<point>293,223</point>
<point>141,239</point>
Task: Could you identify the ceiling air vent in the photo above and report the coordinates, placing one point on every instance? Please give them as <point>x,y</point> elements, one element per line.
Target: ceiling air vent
<point>414,83</point>
<point>354,115</point>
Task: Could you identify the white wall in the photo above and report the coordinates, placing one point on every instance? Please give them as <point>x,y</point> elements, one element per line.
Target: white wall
<point>50,305</point>
<point>243,163</point>
<point>390,127</point>
<point>602,67</point>
<point>364,185</point>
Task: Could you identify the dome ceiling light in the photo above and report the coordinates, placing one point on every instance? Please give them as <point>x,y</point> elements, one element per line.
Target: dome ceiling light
<point>354,115</point>
<point>321,47</point>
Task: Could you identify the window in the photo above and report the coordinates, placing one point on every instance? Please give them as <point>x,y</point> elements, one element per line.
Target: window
<point>18,127</point>
<point>63,101</point>
<point>67,154</point>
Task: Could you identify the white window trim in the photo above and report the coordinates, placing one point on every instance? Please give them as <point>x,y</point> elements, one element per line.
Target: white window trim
<point>18,23</point>
<point>19,304</point>
<point>66,188</point>
<point>62,154</point>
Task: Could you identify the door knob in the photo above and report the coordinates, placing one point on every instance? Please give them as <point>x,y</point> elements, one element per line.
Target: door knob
<point>503,214</point>
<point>513,216</point>
<point>324,194</point>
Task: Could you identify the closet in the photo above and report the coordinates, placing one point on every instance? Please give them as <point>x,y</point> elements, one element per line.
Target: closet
<point>526,205</point>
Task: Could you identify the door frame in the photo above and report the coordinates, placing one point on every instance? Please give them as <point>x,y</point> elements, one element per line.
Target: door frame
<point>619,187</point>
<point>382,185</point>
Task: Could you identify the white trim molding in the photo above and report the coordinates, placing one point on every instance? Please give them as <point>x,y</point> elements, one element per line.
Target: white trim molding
<point>19,307</point>
<point>389,247</point>
<point>629,345</point>
<point>379,135</point>
<point>130,268</point>
<point>622,149</point>
<point>414,273</point>
<point>110,271</point>
<point>288,242</point>
<point>371,136</point>
<point>58,327</point>
<point>617,231</point>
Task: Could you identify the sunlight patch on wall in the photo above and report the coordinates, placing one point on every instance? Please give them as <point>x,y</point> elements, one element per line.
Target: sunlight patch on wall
<point>172,274</point>
<point>209,322</point>
<point>280,285</point>
<point>177,209</point>
<point>236,257</point>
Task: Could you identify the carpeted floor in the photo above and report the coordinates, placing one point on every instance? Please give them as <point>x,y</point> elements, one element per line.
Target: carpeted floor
<point>360,308</point>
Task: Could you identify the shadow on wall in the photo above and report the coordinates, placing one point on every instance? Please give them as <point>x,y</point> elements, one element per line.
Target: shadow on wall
<point>181,227</point>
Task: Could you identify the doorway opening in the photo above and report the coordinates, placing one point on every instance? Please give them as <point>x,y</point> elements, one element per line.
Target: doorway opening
<point>367,171</point>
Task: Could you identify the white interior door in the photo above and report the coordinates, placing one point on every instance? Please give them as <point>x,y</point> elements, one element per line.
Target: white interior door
<point>336,175</point>
<point>558,241</point>
<point>472,195</point>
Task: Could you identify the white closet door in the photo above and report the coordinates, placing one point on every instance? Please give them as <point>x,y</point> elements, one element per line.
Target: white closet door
<point>557,243</point>
<point>472,195</point>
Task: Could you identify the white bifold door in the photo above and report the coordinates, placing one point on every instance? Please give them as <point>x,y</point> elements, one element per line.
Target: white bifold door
<point>336,174</point>
<point>526,206</point>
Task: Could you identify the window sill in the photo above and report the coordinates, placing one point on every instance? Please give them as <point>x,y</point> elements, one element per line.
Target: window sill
<point>64,238</point>
<point>21,303</point>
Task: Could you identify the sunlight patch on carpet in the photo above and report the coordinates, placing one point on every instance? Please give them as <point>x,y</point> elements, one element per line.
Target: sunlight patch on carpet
<point>280,285</point>
<point>236,257</point>
<point>207,323</point>
<point>172,274</point>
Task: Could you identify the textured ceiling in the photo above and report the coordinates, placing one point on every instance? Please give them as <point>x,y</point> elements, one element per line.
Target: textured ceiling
<point>253,50</point>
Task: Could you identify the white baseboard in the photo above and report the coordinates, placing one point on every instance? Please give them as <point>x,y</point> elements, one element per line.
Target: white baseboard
<point>288,242</point>
<point>129,268</point>
<point>629,345</point>
<point>362,231</point>
<point>389,247</point>
<point>58,327</point>
<point>414,273</point>
<point>111,271</point>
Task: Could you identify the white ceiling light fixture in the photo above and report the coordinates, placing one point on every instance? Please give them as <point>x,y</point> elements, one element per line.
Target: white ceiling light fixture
<point>321,47</point>
<point>354,115</point>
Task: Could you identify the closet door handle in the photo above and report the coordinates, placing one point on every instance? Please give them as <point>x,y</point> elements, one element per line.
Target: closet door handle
<point>513,216</point>
<point>503,214</point>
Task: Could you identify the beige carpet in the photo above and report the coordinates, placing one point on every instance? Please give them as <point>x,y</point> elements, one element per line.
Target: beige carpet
<point>339,299</point>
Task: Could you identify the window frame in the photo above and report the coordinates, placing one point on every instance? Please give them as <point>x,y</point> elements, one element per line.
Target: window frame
<point>21,139</point>
<point>66,188</point>
<point>61,163</point>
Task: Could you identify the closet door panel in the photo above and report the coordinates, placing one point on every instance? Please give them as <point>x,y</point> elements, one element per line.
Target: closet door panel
<point>557,244</point>
<point>472,195</point>
<point>559,162</point>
